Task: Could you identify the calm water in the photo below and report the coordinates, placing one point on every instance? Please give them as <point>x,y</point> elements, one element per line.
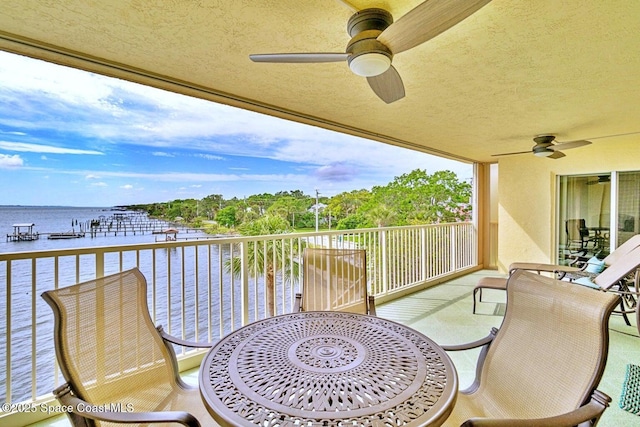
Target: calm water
<point>26,301</point>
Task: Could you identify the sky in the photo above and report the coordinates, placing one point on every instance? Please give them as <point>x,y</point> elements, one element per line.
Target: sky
<point>73,138</point>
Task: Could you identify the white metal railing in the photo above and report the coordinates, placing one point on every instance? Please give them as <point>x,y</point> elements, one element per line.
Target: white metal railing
<point>203,289</point>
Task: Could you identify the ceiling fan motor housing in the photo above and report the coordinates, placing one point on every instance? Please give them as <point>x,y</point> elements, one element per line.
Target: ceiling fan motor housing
<point>364,27</point>
<point>545,140</point>
<point>369,19</point>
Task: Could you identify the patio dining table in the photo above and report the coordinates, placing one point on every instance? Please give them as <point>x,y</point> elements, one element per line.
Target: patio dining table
<point>327,369</point>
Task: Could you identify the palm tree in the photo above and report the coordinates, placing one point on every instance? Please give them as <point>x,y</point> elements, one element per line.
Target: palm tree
<point>270,257</point>
<point>382,216</point>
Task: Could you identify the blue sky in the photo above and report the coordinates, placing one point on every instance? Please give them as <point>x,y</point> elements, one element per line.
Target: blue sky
<point>68,137</point>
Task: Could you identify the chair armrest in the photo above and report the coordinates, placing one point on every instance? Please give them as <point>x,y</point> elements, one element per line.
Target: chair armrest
<point>484,344</point>
<point>81,408</point>
<point>179,341</point>
<point>586,413</point>
<point>297,305</point>
<point>475,344</point>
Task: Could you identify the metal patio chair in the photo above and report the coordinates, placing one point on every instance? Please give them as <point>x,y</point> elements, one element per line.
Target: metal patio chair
<point>335,279</point>
<point>115,360</point>
<point>542,367</point>
<point>577,235</point>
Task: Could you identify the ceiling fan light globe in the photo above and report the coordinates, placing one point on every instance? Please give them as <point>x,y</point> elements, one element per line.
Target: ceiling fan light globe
<point>370,64</point>
<point>543,152</point>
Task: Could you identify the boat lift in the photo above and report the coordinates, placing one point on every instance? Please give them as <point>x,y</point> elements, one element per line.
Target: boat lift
<point>23,233</point>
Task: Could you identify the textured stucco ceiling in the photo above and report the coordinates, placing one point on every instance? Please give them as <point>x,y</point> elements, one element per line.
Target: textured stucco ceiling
<point>514,69</point>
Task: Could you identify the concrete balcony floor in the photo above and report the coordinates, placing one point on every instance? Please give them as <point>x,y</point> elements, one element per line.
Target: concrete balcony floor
<point>444,314</point>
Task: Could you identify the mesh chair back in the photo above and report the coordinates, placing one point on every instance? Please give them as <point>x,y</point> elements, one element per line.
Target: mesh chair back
<point>107,346</point>
<point>335,279</point>
<point>550,351</point>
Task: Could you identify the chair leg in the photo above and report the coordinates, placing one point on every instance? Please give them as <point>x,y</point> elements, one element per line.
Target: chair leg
<point>623,310</point>
<point>476,291</point>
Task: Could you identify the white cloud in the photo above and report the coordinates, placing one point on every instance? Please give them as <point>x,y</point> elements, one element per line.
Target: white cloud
<point>23,74</point>
<point>7,161</point>
<point>38,148</point>
<point>210,156</point>
<point>127,187</point>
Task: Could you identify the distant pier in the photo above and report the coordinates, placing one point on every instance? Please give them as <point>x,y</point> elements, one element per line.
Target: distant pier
<point>117,224</point>
<point>133,223</point>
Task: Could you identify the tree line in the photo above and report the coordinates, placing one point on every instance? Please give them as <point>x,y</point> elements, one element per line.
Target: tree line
<point>412,198</point>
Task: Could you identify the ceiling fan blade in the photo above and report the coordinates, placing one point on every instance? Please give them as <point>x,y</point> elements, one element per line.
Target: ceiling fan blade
<point>511,154</point>
<point>388,85</point>
<point>299,57</point>
<point>556,155</point>
<point>426,21</point>
<point>570,144</point>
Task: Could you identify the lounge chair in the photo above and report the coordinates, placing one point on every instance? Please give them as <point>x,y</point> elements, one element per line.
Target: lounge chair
<point>616,279</point>
<point>624,260</point>
<point>335,279</point>
<point>598,265</point>
<point>542,367</point>
<point>118,366</point>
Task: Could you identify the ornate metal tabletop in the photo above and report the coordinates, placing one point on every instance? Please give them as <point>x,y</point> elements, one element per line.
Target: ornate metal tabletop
<point>327,369</point>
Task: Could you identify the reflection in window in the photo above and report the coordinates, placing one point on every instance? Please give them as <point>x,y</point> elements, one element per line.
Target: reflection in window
<point>584,216</point>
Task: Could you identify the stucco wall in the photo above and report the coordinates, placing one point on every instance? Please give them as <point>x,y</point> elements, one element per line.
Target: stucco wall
<point>527,194</point>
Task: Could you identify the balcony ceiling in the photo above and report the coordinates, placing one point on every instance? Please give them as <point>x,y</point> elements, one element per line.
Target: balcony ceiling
<point>515,69</point>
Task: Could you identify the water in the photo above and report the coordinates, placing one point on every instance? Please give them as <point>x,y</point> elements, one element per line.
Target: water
<point>27,308</point>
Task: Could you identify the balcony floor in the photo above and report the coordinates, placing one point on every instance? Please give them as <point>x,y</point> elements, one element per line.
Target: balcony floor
<point>443,313</point>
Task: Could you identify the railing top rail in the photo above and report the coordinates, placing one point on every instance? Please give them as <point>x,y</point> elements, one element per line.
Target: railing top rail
<point>5,256</point>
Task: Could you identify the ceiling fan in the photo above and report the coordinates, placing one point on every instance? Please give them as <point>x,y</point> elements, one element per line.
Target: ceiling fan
<point>546,147</point>
<point>375,39</point>
<point>602,179</point>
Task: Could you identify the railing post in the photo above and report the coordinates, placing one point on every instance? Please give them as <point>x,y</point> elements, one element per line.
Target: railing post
<point>423,253</point>
<point>385,263</point>
<point>99,264</point>
<point>9,328</point>
<point>453,248</point>
<point>244,282</point>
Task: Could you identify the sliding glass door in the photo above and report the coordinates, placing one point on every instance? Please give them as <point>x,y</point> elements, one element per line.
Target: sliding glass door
<point>628,203</point>
<point>597,213</point>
